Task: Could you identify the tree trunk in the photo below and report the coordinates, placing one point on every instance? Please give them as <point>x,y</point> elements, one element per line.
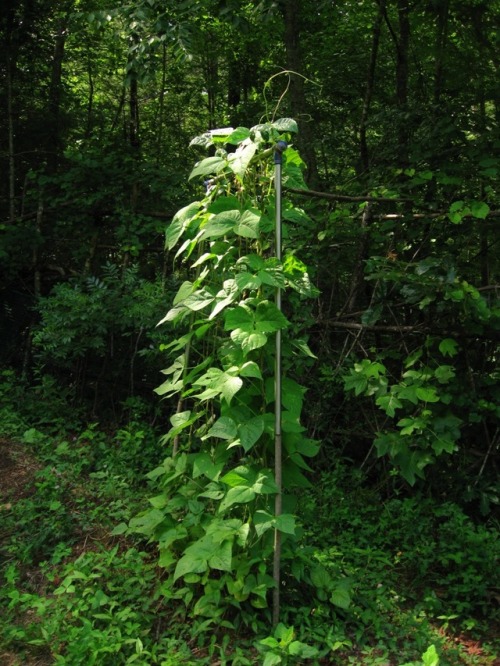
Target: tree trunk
<point>55,143</point>
<point>161,104</point>
<point>370,83</point>
<point>441,38</point>
<point>10,123</point>
<point>402,49</point>
<point>291,16</point>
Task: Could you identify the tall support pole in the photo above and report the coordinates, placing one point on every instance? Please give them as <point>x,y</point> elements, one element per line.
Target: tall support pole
<point>278,161</point>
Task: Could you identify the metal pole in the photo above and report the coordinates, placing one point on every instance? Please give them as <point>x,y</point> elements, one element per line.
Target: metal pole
<point>279,148</point>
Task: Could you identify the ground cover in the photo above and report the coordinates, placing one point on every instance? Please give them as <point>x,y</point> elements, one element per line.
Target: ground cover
<point>418,577</point>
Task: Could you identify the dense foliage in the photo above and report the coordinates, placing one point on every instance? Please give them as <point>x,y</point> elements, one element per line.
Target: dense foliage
<point>136,144</point>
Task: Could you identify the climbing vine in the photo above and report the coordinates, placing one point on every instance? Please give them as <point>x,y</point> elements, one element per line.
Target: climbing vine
<point>213,517</point>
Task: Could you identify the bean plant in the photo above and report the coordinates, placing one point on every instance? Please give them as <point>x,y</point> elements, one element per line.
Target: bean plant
<point>213,517</point>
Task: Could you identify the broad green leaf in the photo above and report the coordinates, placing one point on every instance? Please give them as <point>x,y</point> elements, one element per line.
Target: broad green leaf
<point>389,403</point>
<point>341,597</point>
<point>293,477</point>
<point>250,369</point>
<point>180,222</point>
<point>320,577</point>
<point>262,522</point>
<point>248,341</point>
<point>226,296</point>
<point>285,523</point>
<point>159,501</point>
<point>204,465</point>
<point>448,347</point>
<point>430,657</point>
<point>247,280</point>
<point>293,177</point>
<point>250,432</point>
<point>427,394</point>
<point>147,522</point>
<point>248,225</point>
<point>268,318</point>
<point>444,373</point>
<point>199,299</point>
<point>209,165</point>
<point>234,479</point>
<point>223,428</point>
<point>284,634</point>
<point>440,444</point>
<point>238,317</point>
<point>220,224</point>
<point>180,418</point>
<point>229,386</point>
<point>271,659</point>
<point>237,495</point>
<point>170,536</point>
<point>224,203</point>
<point>190,564</point>
<point>238,135</point>
<point>299,649</point>
<point>355,382</point>
<point>265,484</point>
<point>222,558</point>
<point>286,125</point>
<point>480,209</point>
<point>240,159</point>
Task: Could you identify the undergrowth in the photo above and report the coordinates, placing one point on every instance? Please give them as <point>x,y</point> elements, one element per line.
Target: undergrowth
<point>381,581</point>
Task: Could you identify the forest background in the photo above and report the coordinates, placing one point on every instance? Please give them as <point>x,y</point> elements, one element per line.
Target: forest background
<point>390,220</point>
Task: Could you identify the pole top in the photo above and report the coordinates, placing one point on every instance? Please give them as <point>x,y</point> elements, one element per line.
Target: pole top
<point>279,149</point>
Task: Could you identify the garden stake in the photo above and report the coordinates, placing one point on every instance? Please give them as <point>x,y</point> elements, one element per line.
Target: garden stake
<point>278,154</point>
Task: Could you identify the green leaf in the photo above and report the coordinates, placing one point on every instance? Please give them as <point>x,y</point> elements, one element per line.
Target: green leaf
<point>320,577</point>
<point>293,177</point>
<point>190,563</point>
<point>248,225</point>
<point>147,522</point>
<point>444,373</point>
<point>238,135</point>
<point>285,523</point>
<point>199,300</point>
<point>237,495</point>
<point>248,341</point>
<point>222,559</point>
<point>250,432</point>
<point>224,203</point>
<point>448,347</point>
<point>271,659</point>
<point>430,657</point>
<point>298,649</point>
<point>480,209</point>
<point>204,465</point>
<point>389,403</point>
<point>250,369</point>
<point>239,477</point>
<point>262,521</point>
<point>239,160</point>
<point>220,224</point>
<point>207,166</point>
<point>223,428</point>
<point>247,280</point>
<point>341,597</point>
<point>427,394</point>
<point>238,318</point>
<point>226,296</point>
<point>286,125</point>
<point>230,386</point>
<point>180,222</point>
